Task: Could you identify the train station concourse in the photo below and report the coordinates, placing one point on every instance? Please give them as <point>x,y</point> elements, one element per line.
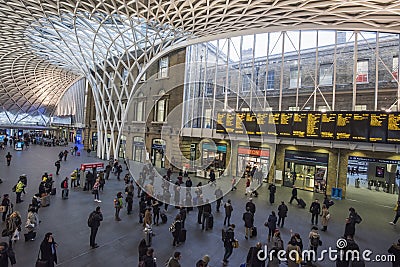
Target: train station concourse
<point>185,109</point>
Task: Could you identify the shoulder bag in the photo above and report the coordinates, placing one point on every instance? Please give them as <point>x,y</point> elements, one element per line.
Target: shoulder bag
<point>40,262</point>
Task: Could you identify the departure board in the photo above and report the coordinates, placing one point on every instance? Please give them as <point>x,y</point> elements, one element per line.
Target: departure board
<point>250,123</point>
<point>343,130</point>
<point>262,123</point>
<point>359,127</point>
<point>221,121</point>
<point>374,127</point>
<point>284,127</point>
<point>313,125</point>
<point>273,122</point>
<point>393,133</point>
<point>299,124</point>
<point>378,125</point>
<point>328,126</point>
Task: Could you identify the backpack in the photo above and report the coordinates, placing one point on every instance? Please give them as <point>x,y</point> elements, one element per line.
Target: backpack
<point>90,221</point>
<point>117,204</point>
<point>358,218</point>
<point>315,241</point>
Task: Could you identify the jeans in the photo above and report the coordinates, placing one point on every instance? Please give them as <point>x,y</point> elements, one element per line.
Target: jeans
<point>314,216</point>
<point>156,217</point>
<point>228,252</point>
<point>396,218</point>
<point>206,217</point>
<point>117,213</point>
<point>281,219</point>
<point>227,217</point>
<point>19,197</point>
<point>93,233</point>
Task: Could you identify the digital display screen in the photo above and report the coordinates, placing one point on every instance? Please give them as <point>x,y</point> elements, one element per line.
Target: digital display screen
<point>393,133</point>
<point>328,126</point>
<point>359,127</point>
<point>378,124</point>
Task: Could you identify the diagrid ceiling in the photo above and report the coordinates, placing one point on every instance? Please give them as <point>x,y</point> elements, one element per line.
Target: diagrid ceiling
<point>46,45</point>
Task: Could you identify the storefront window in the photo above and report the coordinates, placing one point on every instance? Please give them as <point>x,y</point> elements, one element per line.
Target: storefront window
<point>214,156</point>
<point>306,170</point>
<point>158,153</point>
<point>252,160</point>
<point>138,149</point>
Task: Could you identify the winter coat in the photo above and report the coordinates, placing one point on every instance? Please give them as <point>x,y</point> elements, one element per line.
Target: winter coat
<point>5,254</point>
<point>282,210</point>
<point>271,222</point>
<point>290,262</point>
<point>252,259</point>
<point>248,219</point>
<point>46,251</point>
<point>228,209</point>
<point>325,220</point>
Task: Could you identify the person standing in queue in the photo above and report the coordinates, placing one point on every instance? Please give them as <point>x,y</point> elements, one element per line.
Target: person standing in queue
<point>94,223</point>
<point>48,250</point>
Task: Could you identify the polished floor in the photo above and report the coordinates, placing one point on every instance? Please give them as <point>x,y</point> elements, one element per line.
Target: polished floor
<point>118,241</point>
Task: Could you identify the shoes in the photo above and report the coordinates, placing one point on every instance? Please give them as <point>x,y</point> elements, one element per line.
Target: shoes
<point>95,200</point>
<point>95,246</point>
<point>392,223</point>
<point>99,200</point>
<point>246,237</point>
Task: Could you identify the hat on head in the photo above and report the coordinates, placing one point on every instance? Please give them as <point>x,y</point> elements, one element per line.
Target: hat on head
<point>206,258</point>
<point>250,199</point>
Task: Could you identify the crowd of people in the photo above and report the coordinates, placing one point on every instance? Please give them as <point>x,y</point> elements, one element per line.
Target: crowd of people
<point>152,211</point>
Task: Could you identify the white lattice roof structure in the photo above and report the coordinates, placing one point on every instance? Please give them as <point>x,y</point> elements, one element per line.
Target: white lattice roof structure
<point>46,45</point>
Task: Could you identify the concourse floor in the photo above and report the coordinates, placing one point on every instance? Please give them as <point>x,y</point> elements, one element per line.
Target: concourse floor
<point>118,241</point>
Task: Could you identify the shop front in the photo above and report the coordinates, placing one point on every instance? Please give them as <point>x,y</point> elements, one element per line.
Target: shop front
<point>306,170</point>
<point>213,156</point>
<point>253,158</point>
<point>158,153</point>
<point>138,149</point>
<point>379,175</point>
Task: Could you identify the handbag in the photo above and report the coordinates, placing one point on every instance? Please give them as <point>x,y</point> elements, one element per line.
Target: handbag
<point>41,262</point>
<point>235,243</point>
<point>328,216</point>
<point>2,208</point>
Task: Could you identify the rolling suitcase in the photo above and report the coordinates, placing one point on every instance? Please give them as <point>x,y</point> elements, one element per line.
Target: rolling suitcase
<point>301,203</point>
<point>182,236</point>
<point>78,153</point>
<point>30,236</point>
<point>45,201</point>
<point>210,221</point>
<point>53,191</point>
<point>253,231</point>
<point>163,218</point>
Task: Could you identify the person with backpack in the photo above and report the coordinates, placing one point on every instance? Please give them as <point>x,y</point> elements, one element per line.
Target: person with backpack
<point>271,224</point>
<point>118,204</point>
<point>228,239</point>
<point>272,191</point>
<point>174,261</point>
<point>94,220</point>
<point>58,166</point>
<point>64,187</point>
<point>315,209</point>
<point>228,212</point>
<point>315,241</point>
<point>353,219</point>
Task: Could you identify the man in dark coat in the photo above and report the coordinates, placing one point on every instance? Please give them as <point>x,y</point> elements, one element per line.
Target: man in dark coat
<point>48,250</point>
<point>97,218</point>
<point>6,253</point>
<point>272,191</point>
<point>228,240</point>
<point>252,256</point>
<point>294,195</point>
<point>271,224</point>
<point>149,260</point>
<point>206,215</point>
<point>282,213</point>
<point>248,219</point>
<point>58,165</point>
<point>315,209</point>
<point>251,206</point>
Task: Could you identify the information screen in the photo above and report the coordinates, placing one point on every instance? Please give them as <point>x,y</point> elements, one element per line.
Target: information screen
<point>378,124</point>
<point>374,127</point>
<point>328,126</point>
<point>393,133</point>
<point>359,127</point>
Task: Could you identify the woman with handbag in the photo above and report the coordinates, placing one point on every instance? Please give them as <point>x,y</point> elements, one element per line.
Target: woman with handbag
<point>48,250</point>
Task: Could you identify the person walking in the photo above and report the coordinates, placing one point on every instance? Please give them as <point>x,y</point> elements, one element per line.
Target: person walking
<point>315,242</point>
<point>65,154</point>
<point>395,250</point>
<point>248,219</point>
<point>294,195</point>
<point>48,250</point>
<point>325,215</point>
<point>282,213</point>
<point>174,260</point>
<point>271,224</point>
<point>251,206</point>
<point>149,260</point>
<point>6,253</point>
<point>272,191</point>
<point>108,170</point>
<point>219,196</point>
<point>255,258</point>
<point>58,166</point>
<point>13,226</point>
<point>228,240</point>
<point>94,223</point>
<point>8,158</point>
<point>228,212</point>
<point>315,210</point>
<point>212,180</point>
<point>397,216</point>
<point>6,203</point>
<point>118,204</point>
<point>64,187</point>
<point>176,229</point>
<point>95,190</point>
<point>206,215</point>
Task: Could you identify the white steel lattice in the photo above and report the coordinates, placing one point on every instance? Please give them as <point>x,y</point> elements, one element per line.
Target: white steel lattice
<point>47,45</point>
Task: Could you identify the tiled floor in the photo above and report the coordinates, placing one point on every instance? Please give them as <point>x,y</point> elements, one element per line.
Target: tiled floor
<point>118,241</point>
